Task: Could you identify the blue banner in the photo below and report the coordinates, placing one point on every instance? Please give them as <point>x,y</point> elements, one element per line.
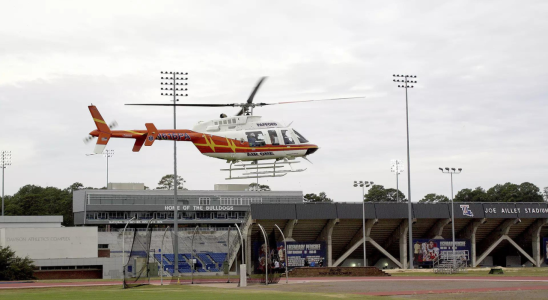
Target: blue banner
<point>303,254</point>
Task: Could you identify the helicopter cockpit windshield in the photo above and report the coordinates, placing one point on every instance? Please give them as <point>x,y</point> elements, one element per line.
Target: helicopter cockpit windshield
<point>301,138</point>
<point>255,138</point>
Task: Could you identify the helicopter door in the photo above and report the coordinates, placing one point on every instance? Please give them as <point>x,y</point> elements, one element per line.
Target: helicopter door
<point>274,140</point>
<point>288,139</point>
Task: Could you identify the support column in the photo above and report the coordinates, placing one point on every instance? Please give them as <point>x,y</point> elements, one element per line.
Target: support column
<point>436,231</point>
<point>469,232</point>
<point>403,230</point>
<point>288,230</point>
<point>326,235</point>
<point>497,236</point>
<point>534,230</point>
<point>249,263</point>
<point>356,241</point>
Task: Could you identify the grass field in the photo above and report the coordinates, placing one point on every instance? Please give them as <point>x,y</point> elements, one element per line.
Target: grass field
<point>164,292</point>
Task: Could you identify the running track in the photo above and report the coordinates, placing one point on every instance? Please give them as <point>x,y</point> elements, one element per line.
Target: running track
<point>540,280</point>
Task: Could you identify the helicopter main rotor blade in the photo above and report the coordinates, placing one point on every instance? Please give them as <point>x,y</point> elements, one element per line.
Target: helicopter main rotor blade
<point>289,102</point>
<point>185,104</point>
<point>250,99</point>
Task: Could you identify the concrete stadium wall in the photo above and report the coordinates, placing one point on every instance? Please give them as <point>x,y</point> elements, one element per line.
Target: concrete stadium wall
<point>48,243</point>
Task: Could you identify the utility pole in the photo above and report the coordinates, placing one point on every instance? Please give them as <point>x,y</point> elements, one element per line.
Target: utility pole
<point>404,83</point>
<point>172,87</point>
<point>5,160</point>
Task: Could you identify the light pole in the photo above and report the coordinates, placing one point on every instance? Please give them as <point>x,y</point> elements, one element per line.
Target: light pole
<point>405,84</point>
<point>397,169</point>
<point>172,87</point>
<point>5,160</point>
<point>452,171</point>
<point>162,259</point>
<point>108,154</point>
<point>363,185</point>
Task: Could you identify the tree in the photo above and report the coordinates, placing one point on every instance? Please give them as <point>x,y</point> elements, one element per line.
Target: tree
<point>377,193</point>
<point>13,267</point>
<point>167,182</point>
<point>510,192</point>
<point>468,195</point>
<point>32,200</point>
<point>546,194</point>
<point>434,198</point>
<point>394,195</point>
<point>530,193</point>
<point>75,186</point>
<point>313,198</point>
<point>258,187</point>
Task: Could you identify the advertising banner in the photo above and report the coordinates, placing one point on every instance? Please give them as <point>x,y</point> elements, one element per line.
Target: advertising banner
<point>545,249</point>
<point>426,251</point>
<point>303,254</point>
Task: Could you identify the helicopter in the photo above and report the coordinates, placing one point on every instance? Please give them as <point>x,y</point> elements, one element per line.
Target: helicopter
<point>245,141</point>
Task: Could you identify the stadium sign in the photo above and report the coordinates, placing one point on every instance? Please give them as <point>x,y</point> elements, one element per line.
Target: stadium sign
<point>199,207</point>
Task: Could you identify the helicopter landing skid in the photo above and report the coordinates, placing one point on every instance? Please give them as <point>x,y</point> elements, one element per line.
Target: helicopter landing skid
<point>269,169</point>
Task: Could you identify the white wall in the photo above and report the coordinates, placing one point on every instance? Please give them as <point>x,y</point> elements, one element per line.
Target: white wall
<point>47,243</point>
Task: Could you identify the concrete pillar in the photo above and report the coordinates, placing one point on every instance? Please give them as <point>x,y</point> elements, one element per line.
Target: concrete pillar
<point>537,241</point>
<point>437,229</point>
<point>469,232</point>
<point>288,230</point>
<point>248,262</point>
<point>403,229</point>
<point>326,235</point>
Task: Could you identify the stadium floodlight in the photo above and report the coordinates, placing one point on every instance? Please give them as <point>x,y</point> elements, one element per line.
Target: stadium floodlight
<point>397,169</point>
<point>124,244</point>
<point>5,160</point>
<point>452,171</point>
<point>363,185</point>
<point>405,83</point>
<point>173,81</point>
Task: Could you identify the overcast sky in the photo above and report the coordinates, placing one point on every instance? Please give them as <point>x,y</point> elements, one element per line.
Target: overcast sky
<point>480,104</point>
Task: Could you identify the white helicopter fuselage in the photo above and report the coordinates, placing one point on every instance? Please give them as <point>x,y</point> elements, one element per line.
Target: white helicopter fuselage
<point>249,138</point>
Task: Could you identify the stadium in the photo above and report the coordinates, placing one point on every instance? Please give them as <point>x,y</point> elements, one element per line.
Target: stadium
<point>488,234</point>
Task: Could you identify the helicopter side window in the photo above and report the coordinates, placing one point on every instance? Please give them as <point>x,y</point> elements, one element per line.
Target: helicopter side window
<point>288,139</point>
<point>274,137</point>
<point>300,137</point>
<point>255,138</point>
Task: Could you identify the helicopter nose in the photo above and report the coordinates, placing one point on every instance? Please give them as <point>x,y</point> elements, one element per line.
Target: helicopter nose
<point>311,150</point>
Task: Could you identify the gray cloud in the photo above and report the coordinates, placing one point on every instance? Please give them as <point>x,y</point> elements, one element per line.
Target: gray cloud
<point>480,102</point>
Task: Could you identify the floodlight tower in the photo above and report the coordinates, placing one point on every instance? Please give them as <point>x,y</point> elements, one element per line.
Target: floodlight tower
<point>173,85</point>
<point>452,171</point>
<point>363,185</point>
<point>397,168</point>
<point>5,160</point>
<point>404,83</point>
<point>108,154</point>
